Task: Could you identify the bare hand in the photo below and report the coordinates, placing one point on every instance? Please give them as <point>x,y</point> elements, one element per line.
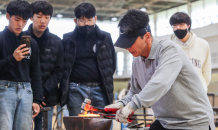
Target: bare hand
<point>43,103</point>
<point>36,109</point>
<point>20,52</point>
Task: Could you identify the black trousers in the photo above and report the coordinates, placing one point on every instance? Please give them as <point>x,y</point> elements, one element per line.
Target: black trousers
<point>157,126</point>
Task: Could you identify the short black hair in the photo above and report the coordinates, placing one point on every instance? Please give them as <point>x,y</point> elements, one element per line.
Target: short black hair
<point>19,8</point>
<point>180,17</point>
<point>86,10</point>
<point>133,20</point>
<point>41,6</point>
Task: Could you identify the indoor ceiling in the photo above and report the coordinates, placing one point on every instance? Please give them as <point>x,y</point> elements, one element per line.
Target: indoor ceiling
<point>107,9</point>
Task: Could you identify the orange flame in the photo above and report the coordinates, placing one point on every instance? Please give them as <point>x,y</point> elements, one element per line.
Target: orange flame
<point>89,115</point>
<point>85,114</point>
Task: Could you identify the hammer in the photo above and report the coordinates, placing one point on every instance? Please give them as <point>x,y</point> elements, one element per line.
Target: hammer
<point>87,107</point>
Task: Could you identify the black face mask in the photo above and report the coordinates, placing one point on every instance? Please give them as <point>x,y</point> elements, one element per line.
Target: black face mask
<point>181,33</point>
<point>87,30</point>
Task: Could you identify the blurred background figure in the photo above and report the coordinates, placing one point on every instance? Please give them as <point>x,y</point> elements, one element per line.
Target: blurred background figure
<point>196,49</point>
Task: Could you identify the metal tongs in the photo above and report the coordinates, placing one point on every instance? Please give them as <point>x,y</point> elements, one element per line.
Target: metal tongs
<point>86,108</point>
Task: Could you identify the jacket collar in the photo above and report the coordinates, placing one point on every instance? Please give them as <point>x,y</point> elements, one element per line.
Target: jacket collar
<point>11,34</point>
<point>80,35</point>
<point>152,54</point>
<point>44,36</point>
<point>99,34</point>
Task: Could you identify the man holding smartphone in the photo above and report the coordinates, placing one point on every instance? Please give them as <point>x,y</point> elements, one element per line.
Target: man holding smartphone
<point>51,57</point>
<point>20,79</point>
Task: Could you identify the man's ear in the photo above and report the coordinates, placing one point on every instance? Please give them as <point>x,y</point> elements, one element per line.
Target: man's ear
<point>189,26</point>
<point>95,19</point>
<point>7,16</point>
<point>75,21</point>
<point>147,37</point>
<point>31,18</point>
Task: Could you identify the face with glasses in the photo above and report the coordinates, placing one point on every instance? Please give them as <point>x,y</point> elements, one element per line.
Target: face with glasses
<point>85,21</point>
<point>180,26</point>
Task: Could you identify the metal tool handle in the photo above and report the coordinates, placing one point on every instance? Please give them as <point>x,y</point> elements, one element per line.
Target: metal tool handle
<point>45,117</point>
<point>132,119</point>
<point>131,115</point>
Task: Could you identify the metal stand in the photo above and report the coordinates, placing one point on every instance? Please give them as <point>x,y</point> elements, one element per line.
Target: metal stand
<point>144,111</point>
<point>215,109</point>
<point>59,121</point>
<point>45,117</point>
<point>213,98</point>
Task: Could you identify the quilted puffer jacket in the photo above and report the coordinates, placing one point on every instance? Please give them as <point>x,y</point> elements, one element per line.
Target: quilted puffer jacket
<point>106,58</point>
<point>51,55</point>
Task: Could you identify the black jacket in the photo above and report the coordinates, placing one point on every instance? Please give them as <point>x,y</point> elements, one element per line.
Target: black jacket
<point>51,55</point>
<point>106,62</point>
<point>26,70</point>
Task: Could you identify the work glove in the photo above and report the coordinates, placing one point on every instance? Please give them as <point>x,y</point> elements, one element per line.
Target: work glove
<point>124,114</point>
<point>113,107</point>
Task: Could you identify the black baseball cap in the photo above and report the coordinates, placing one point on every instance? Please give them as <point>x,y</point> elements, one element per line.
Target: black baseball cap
<point>126,40</point>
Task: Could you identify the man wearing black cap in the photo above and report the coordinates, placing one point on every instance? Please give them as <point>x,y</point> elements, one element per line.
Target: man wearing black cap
<point>162,78</point>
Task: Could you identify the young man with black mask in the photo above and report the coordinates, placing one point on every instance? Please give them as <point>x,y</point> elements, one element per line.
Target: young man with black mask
<point>20,79</point>
<point>51,57</point>
<point>90,63</point>
<point>196,49</point>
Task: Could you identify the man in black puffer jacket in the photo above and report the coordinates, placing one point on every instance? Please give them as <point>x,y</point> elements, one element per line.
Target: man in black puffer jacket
<point>89,63</point>
<point>51,54</point>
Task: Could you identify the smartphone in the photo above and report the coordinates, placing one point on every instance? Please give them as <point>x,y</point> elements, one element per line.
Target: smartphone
<point>26,40</point>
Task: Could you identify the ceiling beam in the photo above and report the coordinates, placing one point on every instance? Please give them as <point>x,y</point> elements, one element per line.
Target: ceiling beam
<point>156,6</point>
<point>3,4</point>
<point>175,1</point>
<point>108,8</point>
<point>97,8</point>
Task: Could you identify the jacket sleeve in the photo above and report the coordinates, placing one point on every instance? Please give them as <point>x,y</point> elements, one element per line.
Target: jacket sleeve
<point>206,68</point>
<point>35,74</point>
<point>63,81</point>
<point>57,73</point>
<point>168,69</point>
<point>7,64</point>
<point>135,89</point>
<point>113,54</point>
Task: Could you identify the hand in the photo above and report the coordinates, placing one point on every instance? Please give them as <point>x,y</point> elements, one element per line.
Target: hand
<point>36,109</point>
<point>20,52</point>
<point>43,103</point>
<point>113,107</point>
<point>124,114</point>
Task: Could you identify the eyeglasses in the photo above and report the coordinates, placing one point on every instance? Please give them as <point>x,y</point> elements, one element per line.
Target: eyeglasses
<point>85,21</point>
<point>174,26</point>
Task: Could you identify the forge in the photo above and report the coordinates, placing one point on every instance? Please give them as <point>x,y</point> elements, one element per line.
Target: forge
<point>87,123</point>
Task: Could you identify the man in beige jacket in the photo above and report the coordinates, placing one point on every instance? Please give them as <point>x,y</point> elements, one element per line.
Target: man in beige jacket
<point>197,49</point>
